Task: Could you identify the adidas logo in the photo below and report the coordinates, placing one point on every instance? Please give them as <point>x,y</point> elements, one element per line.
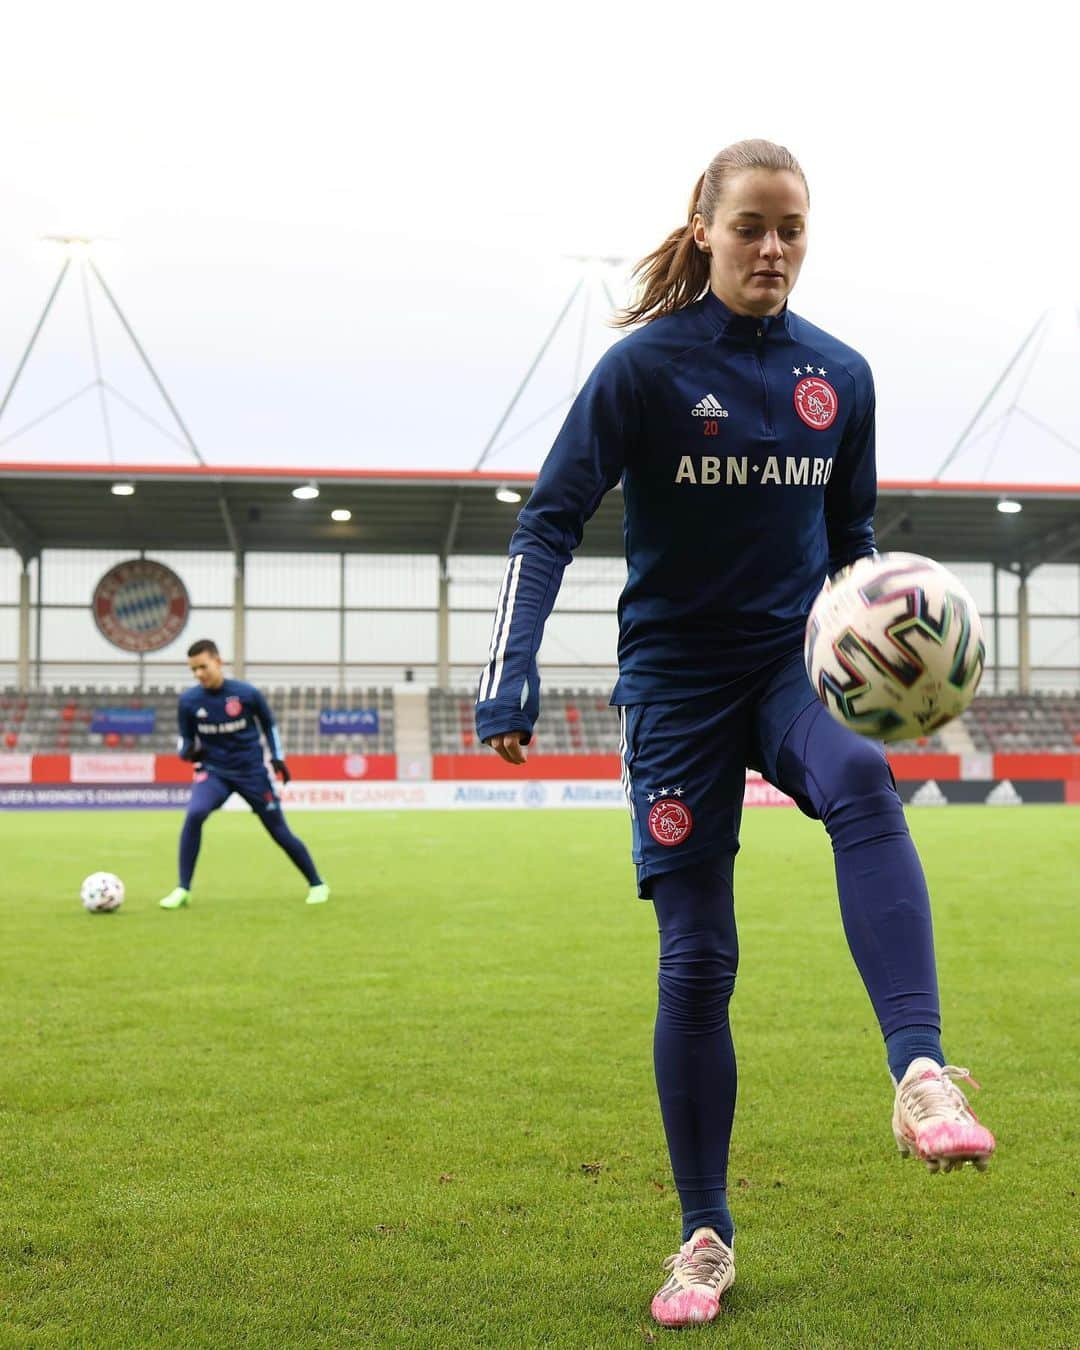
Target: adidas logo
<point>708,407</point>
<point>202,713</point>
<point>928,794</point>
<point>1004,795</point>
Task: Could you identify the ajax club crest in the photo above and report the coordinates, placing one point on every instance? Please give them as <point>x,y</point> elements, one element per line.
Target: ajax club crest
<point>670,821</point>
<point>233,706</point>
<point>816,403</point>
<point>140,606</point>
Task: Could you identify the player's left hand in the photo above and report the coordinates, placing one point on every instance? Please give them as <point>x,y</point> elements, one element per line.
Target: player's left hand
<point>282,770</point>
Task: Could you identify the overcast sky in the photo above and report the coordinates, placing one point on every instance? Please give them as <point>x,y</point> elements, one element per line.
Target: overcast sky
<point>341,231</point>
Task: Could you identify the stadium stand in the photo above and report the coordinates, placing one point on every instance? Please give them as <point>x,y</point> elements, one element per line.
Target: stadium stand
<point>573,721</point>
<point>579,721</point>
<point>58,720</point>
<point>1006,722</point>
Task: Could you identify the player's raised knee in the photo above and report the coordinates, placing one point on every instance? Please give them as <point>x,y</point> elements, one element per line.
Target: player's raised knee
<point>862,768</point>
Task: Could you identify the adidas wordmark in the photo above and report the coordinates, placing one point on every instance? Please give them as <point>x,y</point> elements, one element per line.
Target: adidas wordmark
<point>708,407</point>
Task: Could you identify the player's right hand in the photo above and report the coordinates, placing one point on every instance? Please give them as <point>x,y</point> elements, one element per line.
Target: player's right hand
<point>507,745</point>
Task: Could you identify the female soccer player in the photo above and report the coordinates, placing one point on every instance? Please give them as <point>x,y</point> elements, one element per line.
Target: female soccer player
<point>743,437</point>
<point>220,720</point>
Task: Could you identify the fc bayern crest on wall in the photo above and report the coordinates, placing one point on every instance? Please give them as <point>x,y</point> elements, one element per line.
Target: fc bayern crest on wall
<point>141,606</point>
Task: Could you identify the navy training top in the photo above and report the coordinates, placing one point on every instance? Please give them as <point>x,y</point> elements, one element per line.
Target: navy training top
<point>223,725</point>
<point>745,450</point>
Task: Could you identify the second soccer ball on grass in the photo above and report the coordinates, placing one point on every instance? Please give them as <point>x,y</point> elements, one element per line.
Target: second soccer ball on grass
<point>102,893</point>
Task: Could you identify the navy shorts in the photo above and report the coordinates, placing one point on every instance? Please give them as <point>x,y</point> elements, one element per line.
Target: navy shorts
<point>212,790</point>
<point>684,764</point>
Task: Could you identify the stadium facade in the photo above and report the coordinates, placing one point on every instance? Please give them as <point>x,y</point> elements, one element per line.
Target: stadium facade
<point>387,614</point>
<point>408,582</point>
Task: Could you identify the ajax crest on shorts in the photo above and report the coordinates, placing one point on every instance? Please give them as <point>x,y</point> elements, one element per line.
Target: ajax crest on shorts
<point>669,819</point>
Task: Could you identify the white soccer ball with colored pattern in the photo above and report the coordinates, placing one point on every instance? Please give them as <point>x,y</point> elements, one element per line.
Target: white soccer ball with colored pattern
<point>894,647</point>
<point>102,892</point>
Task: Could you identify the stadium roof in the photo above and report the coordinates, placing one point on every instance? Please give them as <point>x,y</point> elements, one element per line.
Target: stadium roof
<point>446,511</point>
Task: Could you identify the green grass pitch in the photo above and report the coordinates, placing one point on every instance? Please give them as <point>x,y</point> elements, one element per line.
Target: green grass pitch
<point>423,1115</point>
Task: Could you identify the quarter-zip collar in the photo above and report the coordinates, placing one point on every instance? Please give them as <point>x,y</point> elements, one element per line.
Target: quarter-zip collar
<point>744,327</point>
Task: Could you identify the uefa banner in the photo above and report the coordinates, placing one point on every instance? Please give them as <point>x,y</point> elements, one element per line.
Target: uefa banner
<point>349,722</point>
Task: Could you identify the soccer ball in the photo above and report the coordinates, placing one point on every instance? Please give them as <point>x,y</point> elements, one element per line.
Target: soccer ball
<point>894,647</point>
<point>101,893</point>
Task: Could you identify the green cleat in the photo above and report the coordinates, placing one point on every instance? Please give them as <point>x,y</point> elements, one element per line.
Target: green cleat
<point>318,895</point>
<point>178,899</point>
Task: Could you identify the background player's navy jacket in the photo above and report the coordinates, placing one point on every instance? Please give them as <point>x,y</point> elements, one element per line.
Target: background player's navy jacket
<point>223,724</point>
<point>745,448</point>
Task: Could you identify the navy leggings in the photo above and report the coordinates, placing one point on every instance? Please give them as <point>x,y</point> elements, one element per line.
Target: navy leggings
<point>885,908</point>
<point>211,792</point>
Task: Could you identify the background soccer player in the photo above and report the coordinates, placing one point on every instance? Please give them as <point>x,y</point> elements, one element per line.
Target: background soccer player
<point>220,720</point>
<point>744,440</point>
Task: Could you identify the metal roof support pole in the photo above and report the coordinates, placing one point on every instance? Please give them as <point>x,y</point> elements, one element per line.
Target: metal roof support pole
<point>997,629</point>
<point>528,376</point>
<point>99,380</point>
<point>22,676</point>
<point>37,626</point>
<point>443,639</point>
<point>341,632</point>
<point>1023,635</point>
<point>146,362</point>
<point>990,396</point>
<point>239,615</point>
<point>34,335</point>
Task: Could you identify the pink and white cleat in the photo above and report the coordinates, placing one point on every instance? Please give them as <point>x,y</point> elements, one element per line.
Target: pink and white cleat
<point>701,1271</point>
<point>932,1119</point>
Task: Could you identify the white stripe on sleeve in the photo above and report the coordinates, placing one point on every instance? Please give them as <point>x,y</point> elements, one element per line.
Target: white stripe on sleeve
<point>500,654</point>
<point>496,631</point>
<point>485,674</point>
